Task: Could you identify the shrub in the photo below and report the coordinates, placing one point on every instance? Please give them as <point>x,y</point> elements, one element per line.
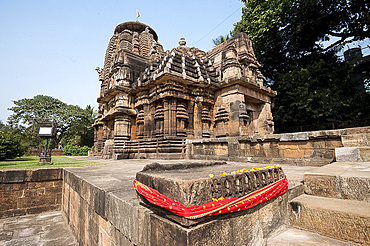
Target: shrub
<point>10,145</point>
<point>74,150</point>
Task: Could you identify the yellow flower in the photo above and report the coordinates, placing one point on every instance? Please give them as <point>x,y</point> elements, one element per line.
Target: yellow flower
<point>216,200</point>
<point>211,175</point>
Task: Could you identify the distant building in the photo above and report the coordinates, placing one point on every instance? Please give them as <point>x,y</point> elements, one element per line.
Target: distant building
<point>152,100</point>
<point>360,65</point>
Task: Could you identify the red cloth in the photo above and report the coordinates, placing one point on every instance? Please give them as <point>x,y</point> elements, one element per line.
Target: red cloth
<point>227,205</point>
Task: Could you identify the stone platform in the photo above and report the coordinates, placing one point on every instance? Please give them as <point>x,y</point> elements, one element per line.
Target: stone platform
<point>102,207</point>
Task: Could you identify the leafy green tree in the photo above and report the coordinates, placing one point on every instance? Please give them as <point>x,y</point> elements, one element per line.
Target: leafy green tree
<point>313,84</point>
<point>10,145</point>
<point>82,133</point>
<point>65,116</point>
<point>220,39</point>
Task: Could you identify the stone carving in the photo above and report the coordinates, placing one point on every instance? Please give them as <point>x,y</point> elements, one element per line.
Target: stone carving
<point>196,191</point>
<point>166,97</point>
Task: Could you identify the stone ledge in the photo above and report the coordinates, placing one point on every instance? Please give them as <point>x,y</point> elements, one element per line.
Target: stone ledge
<point>30,175</point>
<point>346,180</point>
<point>355,154</point>
<point>337,218</point>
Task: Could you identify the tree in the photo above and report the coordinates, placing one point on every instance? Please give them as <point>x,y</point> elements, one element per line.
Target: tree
<point>82,133</point>
<point>10,145</point>
<point>220,39</point>
<point>313,84</point>
<point>45,107</point>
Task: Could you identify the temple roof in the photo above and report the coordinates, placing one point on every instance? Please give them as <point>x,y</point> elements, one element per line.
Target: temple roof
<point>185,62</point>
<point>135,26</point>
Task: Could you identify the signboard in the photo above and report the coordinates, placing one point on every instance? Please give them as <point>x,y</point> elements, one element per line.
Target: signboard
<point>45,131</point>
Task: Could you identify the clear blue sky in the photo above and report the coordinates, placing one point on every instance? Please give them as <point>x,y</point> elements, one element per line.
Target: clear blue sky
<point>52,47</point>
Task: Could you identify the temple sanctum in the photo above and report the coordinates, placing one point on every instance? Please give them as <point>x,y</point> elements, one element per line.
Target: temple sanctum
<point>152,101</point>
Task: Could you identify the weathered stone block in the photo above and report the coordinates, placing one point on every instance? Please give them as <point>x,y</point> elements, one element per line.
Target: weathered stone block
<point>13,176</point>
<point>354,140</point>
<point>322,185</point>
<point>342,219</point>
<point>347,154</point>
<point>333,143</point>
<point>355,188</point>
<point>179,183</point>
<point>44,174</point>
<point>297,136</point>
<point>166,233</point>
<point>292,153</point>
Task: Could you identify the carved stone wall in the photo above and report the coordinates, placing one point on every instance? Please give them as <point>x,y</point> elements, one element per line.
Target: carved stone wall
<point>152,100</point>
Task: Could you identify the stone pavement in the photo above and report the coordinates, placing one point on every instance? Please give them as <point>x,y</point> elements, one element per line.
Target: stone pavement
<point>44,229</point>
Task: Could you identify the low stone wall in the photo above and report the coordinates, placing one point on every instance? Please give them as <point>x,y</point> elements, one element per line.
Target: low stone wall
<point>30,191</point>
<point>85,207</point>
<point>303,148</point>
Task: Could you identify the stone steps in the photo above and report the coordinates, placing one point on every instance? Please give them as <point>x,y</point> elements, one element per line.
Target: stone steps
<point>345,180</point>
<point>358,139</point>
<point>335,209</point>
<point>356,146</point>
<point>298,237</point>
<point>357,154</point>
<point>347,220</point>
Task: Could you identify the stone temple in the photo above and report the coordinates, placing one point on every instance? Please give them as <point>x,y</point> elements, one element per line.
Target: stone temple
<point>151,100</point>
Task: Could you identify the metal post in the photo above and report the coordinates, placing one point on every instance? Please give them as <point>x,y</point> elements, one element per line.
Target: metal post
<point>46,147</point>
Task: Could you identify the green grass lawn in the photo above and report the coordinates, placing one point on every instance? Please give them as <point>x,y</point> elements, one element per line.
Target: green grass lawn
<point>33,162</point>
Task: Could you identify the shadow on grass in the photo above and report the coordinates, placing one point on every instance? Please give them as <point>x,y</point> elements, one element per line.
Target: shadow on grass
<point>21,159</point>
<point>7,164</point>
<point>33,162</point>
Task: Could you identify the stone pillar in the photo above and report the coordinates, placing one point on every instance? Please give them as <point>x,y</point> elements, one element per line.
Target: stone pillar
<point>172,117</point>
<point>147,120</point>
<point>166,122</point>
<point>122,127</point>
<point>198,120</point>
<point>190,133</point>
<point>158,120</point>
<point>206,122</point>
